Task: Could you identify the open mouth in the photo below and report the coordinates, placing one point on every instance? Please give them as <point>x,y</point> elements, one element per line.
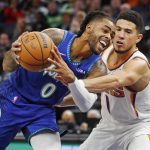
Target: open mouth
<point>102,45</point>
<point>119,43</point>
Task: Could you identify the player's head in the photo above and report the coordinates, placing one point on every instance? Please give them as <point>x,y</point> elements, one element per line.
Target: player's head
<point>129,26</point>
<point>96,28</point>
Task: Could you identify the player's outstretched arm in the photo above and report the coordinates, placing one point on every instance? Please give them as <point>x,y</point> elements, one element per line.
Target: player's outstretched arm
<point>130,75</point>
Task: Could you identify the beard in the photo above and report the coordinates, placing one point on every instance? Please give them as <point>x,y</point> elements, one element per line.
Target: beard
<point>92,47</point>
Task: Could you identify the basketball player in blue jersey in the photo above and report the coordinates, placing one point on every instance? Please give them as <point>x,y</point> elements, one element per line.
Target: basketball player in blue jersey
<point>27,99</point>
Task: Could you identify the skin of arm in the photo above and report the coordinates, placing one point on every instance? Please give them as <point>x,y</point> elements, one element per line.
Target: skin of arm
<point>131,73</point>
<point>9,61</point>
<point>9,64</point>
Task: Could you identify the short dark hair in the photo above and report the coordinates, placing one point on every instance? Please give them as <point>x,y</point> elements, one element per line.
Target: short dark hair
<point>93,15</point>
<point>133,17</point>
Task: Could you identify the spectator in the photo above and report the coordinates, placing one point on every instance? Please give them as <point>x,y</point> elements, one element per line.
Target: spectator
<point>125,7</point>
<point>68,120</point>
<point>93,113</point>
<point>19,28</point>
<point>84,127</point>
<point>75,26</point>
<point>66,15</point>
<point>93,117</point>
<point>4,46</point>
<point>53,17</point>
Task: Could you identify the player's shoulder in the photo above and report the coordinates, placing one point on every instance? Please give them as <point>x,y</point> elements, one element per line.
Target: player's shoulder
<point>98,69</point>
<point>55,34</point>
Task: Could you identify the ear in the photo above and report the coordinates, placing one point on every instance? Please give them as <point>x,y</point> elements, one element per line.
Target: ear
<point>89,28</point>
<point>139,37</point>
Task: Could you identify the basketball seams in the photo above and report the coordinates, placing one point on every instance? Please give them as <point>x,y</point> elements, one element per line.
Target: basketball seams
<point>29,58</point>
<point>41,49</point>
<point>20,60</point>
<point>29,51</point>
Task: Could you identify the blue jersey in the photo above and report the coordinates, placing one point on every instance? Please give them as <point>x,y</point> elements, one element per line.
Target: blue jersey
<point>41,87</point>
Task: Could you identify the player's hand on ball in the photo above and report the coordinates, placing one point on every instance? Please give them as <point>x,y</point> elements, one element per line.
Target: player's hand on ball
<point>16,47</point>
<point>64,73</point>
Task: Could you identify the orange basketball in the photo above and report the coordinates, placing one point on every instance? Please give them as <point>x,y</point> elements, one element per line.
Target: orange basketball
<point>35,50</point>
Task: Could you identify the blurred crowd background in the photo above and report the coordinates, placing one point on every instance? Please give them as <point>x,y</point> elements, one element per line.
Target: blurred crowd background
<point>18,16</point>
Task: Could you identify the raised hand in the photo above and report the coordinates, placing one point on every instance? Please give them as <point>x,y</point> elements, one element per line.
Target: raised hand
<point>64,73</point>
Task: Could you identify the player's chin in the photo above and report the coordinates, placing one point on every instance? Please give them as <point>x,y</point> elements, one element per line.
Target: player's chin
<point>99,51</point>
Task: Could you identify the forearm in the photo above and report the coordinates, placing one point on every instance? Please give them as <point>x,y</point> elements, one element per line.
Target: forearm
<point>118,79</point>
<point>9,63</point>
<point>82,98</point>
<point>97,85</point>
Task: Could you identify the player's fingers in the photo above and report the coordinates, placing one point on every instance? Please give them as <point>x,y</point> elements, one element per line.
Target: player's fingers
<point>57,52</point>
<point>56,57</point>
<point>15,49</point>
<point>54,62</point>
<point>16,44</point>
<point>61,80</point>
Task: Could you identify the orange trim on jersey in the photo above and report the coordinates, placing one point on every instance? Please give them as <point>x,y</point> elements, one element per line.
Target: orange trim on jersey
<point>113,67</point>
<point>132,99</point>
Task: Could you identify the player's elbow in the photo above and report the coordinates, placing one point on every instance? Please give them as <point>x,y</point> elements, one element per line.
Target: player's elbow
<point>6,68</point>
<point>9,68</point>
<point>127,81</point>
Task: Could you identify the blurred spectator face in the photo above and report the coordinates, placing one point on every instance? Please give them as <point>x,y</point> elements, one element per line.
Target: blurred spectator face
<point>14,4</point>
<point>115,4</point>
<point>80,16</point>
<point>66,18</point>
<point>93,113</point>
<point>75,26</point>
<point>21,22</point>
<point>68,116</point>
<point>36,3</point>
<point>125,7</point>
<point>108,10</point>
<point>84,126</point>
<point>4,39</point>
<point>52,7</point>
<point>93,5</point>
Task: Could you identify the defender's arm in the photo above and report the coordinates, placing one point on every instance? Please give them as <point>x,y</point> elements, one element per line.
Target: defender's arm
<point>129,75</point>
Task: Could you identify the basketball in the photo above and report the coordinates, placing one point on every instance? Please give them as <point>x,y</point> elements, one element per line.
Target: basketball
<point>35,50</point>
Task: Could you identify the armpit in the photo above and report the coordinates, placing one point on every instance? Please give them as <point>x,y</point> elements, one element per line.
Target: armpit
<point>99,69</point>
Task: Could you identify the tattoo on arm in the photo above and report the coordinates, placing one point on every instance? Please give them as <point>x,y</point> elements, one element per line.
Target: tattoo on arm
<point>55,34</point>
<point>9,63</point>
<point>99,69</point>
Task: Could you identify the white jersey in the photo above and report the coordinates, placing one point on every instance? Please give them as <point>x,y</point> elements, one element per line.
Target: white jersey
<point>123,106</point>
<point>126,114</point>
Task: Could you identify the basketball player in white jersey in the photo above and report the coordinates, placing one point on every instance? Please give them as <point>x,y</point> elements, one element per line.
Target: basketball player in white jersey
<point>125,91</point>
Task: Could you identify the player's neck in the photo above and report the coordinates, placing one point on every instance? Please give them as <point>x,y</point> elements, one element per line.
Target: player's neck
<point>80,49</point>
<point>121,56</point>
